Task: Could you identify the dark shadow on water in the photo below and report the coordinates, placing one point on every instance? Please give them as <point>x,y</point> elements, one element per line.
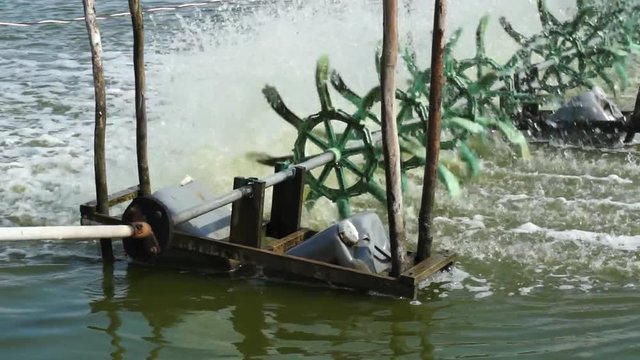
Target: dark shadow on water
<point>107,306</point>
<point>163,299</point>
<point>272,318</point>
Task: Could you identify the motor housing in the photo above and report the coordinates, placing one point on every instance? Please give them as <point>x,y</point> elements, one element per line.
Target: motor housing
<point>370,253</point>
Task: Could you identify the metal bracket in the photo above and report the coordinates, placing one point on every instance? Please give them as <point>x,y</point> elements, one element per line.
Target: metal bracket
<point>286,204</point>
<point>246,214</point>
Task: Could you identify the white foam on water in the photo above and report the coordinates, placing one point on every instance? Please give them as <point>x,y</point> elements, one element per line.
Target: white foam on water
<point>527,290</point>
<point>608,201</point>
<point>484,294</point>
<point>609,178</point>
<point>619,242</point>
<point>450,280</point>
<point>514,197</point>
<point>475,222</point>
<point>527,228</point>
<point>598,202</point>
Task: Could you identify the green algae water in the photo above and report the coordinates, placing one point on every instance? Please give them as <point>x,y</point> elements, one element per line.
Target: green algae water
<point>548,248</point>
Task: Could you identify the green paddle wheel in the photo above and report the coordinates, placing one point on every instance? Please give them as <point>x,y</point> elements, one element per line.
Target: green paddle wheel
<point>481,96</point>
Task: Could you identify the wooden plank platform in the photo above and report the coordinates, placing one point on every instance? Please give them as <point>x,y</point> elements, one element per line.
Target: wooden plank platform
<point>423,270</point>
<point>114,199</point>
<point>280,246</point>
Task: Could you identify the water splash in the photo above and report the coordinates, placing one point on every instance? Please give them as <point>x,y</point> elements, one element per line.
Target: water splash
<point>206,111</point>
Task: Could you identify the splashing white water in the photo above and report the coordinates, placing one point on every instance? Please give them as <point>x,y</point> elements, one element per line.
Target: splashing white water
<point>206,111</point>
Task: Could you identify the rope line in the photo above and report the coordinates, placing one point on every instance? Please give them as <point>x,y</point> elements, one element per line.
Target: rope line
<point>110,16</point>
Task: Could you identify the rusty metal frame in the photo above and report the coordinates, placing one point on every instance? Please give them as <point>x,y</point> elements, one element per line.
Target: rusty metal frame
<point>406,285</point>
<point>273,258</point>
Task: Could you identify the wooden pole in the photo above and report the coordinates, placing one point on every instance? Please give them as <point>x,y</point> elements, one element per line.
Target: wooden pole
<point>391,146</point>
<point>141,89</point>
<point>634,125</point>
<point>102,193</point>
<point>425,237</point>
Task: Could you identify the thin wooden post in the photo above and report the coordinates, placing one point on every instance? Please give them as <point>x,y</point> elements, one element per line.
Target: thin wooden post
<point>425,237</point>
<point>634,125</point>
<point>390,144</point>
<point>100,168</point>
<point>141,90</point>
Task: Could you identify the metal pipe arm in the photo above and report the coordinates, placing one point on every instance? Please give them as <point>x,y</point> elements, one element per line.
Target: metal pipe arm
<point>135,230</point>
<point>241,192</point>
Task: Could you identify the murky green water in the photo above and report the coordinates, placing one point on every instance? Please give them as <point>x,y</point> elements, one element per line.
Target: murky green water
<point>548,249</point>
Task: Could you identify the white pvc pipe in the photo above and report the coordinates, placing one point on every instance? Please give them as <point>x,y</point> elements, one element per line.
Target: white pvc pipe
<point>65,232</point>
